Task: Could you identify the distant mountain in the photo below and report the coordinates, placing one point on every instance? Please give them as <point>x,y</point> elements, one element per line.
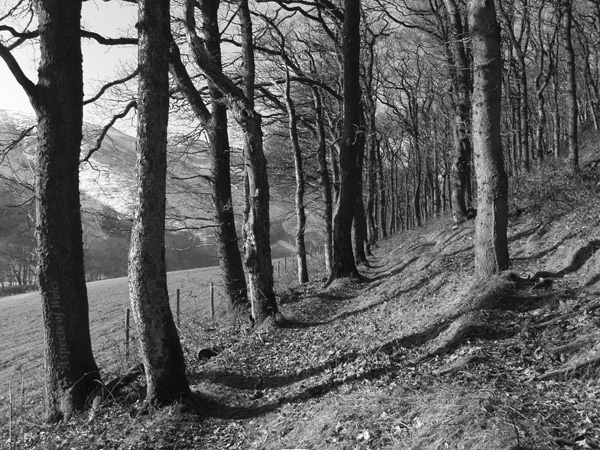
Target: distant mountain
<point>107,184</point>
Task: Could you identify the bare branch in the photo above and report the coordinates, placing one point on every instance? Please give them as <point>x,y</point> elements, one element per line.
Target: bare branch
<point>15,68</point>
<point>132,104</point>
<point>108,41</point>
<point>107,86</point>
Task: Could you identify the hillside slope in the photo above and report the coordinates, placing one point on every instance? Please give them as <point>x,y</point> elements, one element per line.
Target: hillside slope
<point>422,356</point>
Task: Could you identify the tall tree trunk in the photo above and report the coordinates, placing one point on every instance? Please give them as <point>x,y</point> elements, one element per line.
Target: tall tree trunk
<point>257,249</point>
<point>230,258</point>
<point>159,342</point>
<point>461,166</point>
<point>359,224</point>
<point>382,193</point>
<point>491,244</point>
<point>344,264</point>
<point>215,124</point>
<point>71,372</point>
<point>326,193</point>
<point>299,171</point>
<point>567,12</point>
<point>257,240</point>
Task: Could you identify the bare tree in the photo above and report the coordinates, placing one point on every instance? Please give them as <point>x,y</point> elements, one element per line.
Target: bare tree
<point>344,264</point>
<point>257,250</point>
<point>159,342</point>
<point>491,244</point>
<point>57,98</point>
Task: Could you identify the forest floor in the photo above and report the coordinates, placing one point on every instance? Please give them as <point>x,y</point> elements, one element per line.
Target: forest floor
<point>420,356</point>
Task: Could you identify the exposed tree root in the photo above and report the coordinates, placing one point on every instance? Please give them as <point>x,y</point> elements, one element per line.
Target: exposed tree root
<point>572,369</point>
<point>459,364</point>
<point>578,344</point>
<point>460,329</point>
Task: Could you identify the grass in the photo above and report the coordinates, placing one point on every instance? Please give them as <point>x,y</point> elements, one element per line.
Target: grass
<point>22,363</point>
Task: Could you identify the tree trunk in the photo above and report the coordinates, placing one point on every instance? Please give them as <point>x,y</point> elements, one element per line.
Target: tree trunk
<point>299,171</point>
<point>382,193</point>
<point>571,85</point>
<point>215,124</point>
<point>159,342</point>
<point>326,193</point>
<point>491,245</point>
<point>359,224</point>
<point>257,240</point>
<point>461,166</point>
<point>344,264</point>
<point>71,372</point>
<point>230,258</point>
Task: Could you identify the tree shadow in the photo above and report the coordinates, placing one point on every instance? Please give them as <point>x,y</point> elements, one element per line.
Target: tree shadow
<point>397,270</point>
<point>523,234</point>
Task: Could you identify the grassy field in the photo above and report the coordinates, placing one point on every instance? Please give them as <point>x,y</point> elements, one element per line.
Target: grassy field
<point>22,333</point>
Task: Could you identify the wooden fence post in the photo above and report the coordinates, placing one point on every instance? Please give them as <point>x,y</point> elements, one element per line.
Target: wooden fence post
<point>127,313</point>
<point>178,311</point>
<point>212,300</point>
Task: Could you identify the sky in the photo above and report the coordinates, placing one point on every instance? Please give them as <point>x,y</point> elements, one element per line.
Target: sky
<point>100,63</point>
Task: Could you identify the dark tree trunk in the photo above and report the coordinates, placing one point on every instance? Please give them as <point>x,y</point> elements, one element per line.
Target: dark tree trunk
<point>344,264</point>
<point>461,165</point>
<point>159,342</point>
<point>257,241</point>
<point>573,112</point>
<point>230,258</point>
<point>257,249</point>
<point>491,245</point>
<point>71,372</point>
<point>359,224</point>
<point>382,193</point>
<point>299,171</point>
<point>326,193</point>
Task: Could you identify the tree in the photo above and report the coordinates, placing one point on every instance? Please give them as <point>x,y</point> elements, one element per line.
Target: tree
<point>215,123</point>
<point>567,14</point>
<point>299,171</point>
<point>159,342</point>
<point>257,249</point>
<point>343,263</point>
<point>491,245</point>
<point>57,98</point>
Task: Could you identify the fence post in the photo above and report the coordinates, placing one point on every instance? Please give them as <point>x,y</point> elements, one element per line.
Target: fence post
<point>178,311</point>
<point>212,300</point>
<point>127,334</point>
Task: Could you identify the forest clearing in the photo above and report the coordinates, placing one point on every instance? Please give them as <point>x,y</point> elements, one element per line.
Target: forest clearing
<point>375,364</point>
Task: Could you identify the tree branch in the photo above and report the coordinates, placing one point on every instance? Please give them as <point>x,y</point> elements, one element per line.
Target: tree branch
<point>108,41</point>
<point>107,86</point>
<point>132,104</point>
<point>28,86</point>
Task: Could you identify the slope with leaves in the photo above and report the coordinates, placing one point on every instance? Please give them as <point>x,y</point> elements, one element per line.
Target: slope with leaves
<point>422,356</point>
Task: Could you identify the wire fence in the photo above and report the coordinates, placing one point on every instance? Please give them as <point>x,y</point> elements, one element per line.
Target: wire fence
<point>208,301</point>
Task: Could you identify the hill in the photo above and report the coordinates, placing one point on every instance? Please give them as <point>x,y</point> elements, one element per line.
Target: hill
<point>107,189</point>
<point>420,356</point>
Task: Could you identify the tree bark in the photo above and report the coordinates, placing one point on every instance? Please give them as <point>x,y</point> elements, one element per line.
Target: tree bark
<point>382,193</point>
<point>159,342</point>
<point>299,172</point>
<point>459,73</point>
<point>491,245</point>
<point>326,193</point>
<point>567,13</point>
<point>344,264</point>
<point>257,248</point>
<point>257,223</point>
<point>71,372</point>
<point>230,258</point>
